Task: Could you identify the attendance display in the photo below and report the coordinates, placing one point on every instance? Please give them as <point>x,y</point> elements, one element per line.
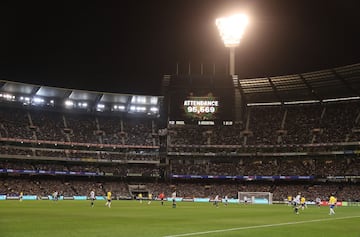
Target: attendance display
<point>192,107</point>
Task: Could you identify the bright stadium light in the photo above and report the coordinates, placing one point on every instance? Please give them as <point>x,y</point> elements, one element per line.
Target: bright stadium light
<point>69,103</point>
<point>231,30</point>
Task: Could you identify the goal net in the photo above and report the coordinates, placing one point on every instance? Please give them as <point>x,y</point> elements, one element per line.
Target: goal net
<point>255,197</point>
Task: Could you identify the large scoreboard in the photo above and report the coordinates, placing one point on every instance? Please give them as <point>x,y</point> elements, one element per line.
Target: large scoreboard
<point>204,101</point>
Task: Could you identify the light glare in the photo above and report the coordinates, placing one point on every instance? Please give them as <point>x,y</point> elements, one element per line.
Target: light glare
<point>232,28</point>
<point>69,103</point>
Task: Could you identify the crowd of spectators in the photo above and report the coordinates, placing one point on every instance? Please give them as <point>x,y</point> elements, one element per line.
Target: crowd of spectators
<point>293,128</point>
<point>57,126</point>
<point>314,166</point>
<point>74,153</point>
<point>319,167</point>
<point>98,169</point>
<point>261,125</point>
<point>275,125</point>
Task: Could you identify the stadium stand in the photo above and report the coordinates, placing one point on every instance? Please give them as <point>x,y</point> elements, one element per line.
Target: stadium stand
<point>282,148</point>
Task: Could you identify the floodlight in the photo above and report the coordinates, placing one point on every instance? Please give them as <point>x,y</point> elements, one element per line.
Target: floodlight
<point>38,100</point>
<point>82,104</point>
<point>138,100</point>
<point>101,106</point>
<point>231,30</point>
<point>154,109</point>
<point>118,107</point>
<point>69,103</point>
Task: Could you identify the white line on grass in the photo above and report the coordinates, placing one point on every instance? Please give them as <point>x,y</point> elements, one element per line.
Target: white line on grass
<point>259,226</point>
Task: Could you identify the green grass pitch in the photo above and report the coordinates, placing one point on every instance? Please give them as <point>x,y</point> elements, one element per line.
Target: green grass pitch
<point>45,218</point>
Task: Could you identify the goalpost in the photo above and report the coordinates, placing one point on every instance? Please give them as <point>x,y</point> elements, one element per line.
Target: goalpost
<point>255,197</point>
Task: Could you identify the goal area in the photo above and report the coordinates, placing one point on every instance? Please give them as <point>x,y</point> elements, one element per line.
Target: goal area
<point>255,197</point>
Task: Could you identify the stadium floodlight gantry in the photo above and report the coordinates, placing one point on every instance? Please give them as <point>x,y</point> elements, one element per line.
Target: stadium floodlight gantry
<point>231,30</point>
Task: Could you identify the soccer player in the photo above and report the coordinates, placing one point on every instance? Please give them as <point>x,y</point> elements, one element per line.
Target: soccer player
<point>332,203</point>
<point>303,203</point>
<point>92,197</point>
<point>173,196</point>
<point>140,197</point>
<point>226,200</point>
<point>289,198</point>
<point>55,196</point>
<point>150,198</point>
<point>318,201</point>
<point>108,199</point>
<point>21,196</point>
<point>161,197</point>
<point>245,200</point>
<point>296,203</point>
<point>216,201</point>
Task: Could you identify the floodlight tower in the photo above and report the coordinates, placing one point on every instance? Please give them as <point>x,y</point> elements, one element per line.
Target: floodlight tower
<point>231,30</point>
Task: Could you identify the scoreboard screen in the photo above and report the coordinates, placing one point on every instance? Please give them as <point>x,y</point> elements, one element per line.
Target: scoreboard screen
<point>201,108</point>
<point>193,107</point>
<point>203,100</point>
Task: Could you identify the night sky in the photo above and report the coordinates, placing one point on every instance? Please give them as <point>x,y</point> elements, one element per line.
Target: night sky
<point>127,46</point>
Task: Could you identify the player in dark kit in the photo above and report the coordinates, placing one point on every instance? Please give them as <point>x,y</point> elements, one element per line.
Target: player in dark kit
<point>161,197</point>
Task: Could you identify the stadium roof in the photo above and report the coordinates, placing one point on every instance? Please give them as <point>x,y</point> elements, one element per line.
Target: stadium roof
<point>339,82</point>
<point>90,97</point>
<point>319,85</point>
<point>62,93</point>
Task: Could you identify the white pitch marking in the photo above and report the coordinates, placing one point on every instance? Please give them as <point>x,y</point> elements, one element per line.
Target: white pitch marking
<point>260,226</point>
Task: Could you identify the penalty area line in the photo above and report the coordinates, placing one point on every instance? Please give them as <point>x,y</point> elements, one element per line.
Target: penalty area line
<point>260,226</point>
